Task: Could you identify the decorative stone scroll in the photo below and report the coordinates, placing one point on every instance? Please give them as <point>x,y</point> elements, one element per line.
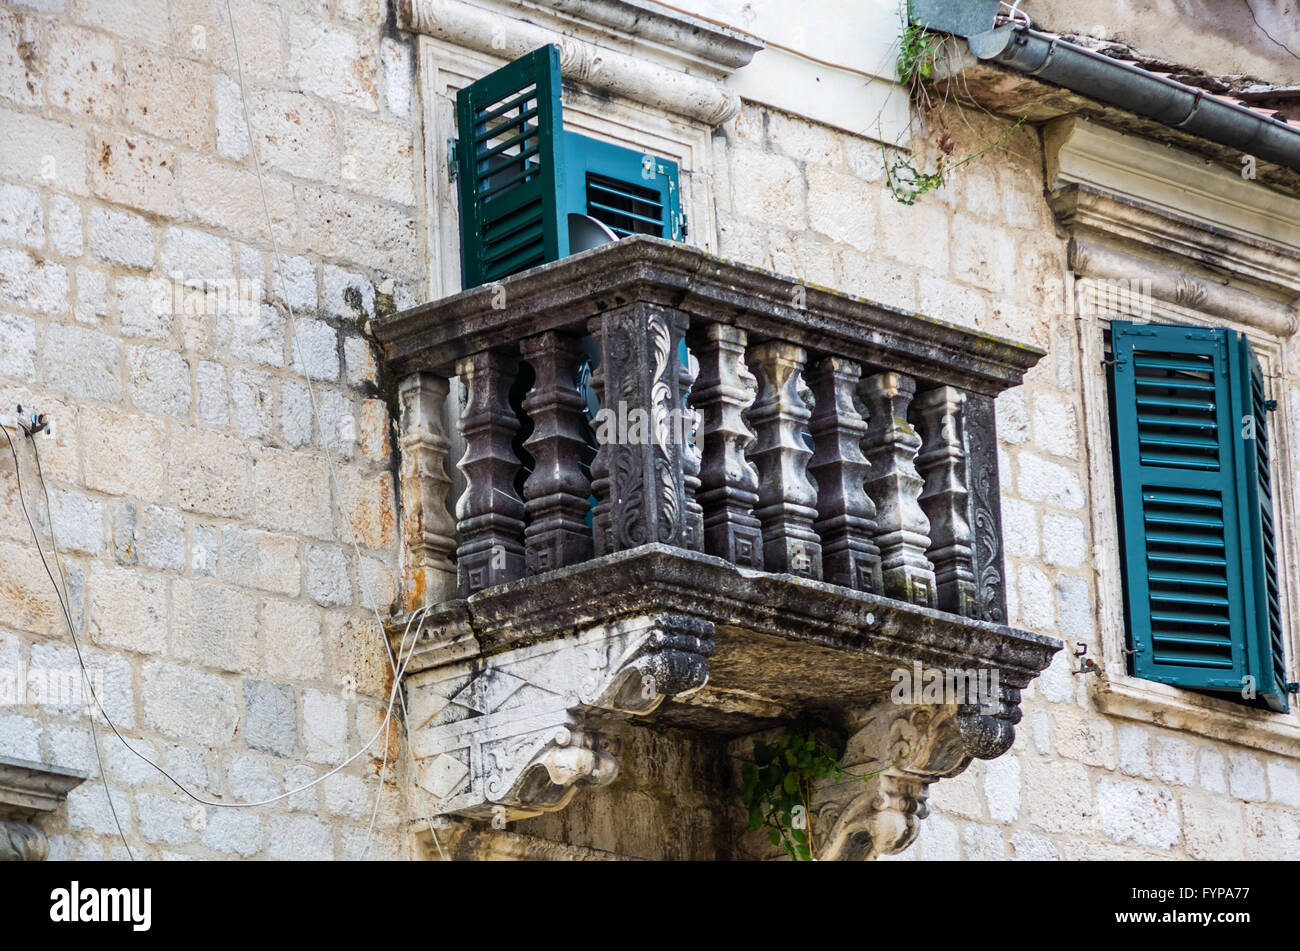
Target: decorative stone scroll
<point>490,515</point>
<point>942,463</point>
<point>519,733</point>
<point>787,498</point>
<point>902,529</point>
<point>427,526</point>
<point>845,513</point>
<point>728,481</point>
<point>555,492</point>
<point>912,746</point>
<point>640,472</point>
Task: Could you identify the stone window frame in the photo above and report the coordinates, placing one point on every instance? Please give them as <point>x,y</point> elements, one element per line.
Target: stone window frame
<point>1123,694</point>
<point>444,69</point>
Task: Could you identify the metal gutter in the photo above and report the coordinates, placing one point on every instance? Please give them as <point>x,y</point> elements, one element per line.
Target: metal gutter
<point>1136,90</point>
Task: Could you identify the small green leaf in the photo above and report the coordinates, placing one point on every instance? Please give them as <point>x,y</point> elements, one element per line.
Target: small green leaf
<point>799,836</point>
<point>791,759</point>
<point>774,836</point>
<point>791,784</point>
<point>755,817</point>
<point>804,853</point>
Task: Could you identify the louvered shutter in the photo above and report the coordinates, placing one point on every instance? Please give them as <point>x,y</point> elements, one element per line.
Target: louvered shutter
<point>630,192</point>
<point>1184,574</point>
<point>1265,660</point>
<point>510,163</point>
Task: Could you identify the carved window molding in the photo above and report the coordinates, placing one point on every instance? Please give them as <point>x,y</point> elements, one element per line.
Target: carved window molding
<point>636,75</point>
<point>1123,229</point>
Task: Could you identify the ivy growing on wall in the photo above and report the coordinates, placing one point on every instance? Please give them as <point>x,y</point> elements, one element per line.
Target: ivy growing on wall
<point>915,67</point>
<point>777,785</point>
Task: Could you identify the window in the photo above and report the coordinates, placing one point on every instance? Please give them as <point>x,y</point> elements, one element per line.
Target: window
<point>523,177</point>
<point>1194,490</point>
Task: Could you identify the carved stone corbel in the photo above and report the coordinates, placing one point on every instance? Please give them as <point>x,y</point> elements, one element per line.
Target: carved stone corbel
<point>913,745</point>
<point>517,734</point>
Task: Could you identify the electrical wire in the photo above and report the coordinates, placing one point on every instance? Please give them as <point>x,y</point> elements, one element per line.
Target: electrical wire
<point>311,394</point>
<point>67,616</point>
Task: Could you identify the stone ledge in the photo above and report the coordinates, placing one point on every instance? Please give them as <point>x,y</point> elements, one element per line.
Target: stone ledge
<point>565,294</point>
<point>1162,705</point>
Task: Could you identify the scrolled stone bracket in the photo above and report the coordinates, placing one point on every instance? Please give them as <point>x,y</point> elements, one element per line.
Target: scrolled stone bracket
<point>908,747</point>
<point>26,790</point>
<point>520,732</point>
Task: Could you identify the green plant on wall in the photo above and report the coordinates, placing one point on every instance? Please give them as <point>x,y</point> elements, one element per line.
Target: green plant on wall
<point>777,785</point>
<point>915,65</point>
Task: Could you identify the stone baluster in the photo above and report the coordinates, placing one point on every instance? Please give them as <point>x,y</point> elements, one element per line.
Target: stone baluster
<point>846,516</point>
<point>728,481</point>
<point>555,493</point>
<point>902,530</point>
<point>787,499</point>
<point>640,470</point>
<point>490,514</point>
<point>942,464</point>
<point>427,525</point>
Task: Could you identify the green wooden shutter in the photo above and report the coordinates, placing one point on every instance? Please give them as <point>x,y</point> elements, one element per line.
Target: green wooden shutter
<point>630,192</point>
<point>1174,448</point>
<point>1265,656</point>
<point>511,169</point>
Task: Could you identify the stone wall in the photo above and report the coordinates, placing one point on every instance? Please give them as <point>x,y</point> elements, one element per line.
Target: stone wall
<point>211,569</point>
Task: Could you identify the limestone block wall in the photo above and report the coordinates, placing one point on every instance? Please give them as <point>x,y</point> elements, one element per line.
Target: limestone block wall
<point>211,570</point>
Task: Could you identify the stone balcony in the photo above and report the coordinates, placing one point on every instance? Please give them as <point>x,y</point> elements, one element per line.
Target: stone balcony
<point>788,496</point>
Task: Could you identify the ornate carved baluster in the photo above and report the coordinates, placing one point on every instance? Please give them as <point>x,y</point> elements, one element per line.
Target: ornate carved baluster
<point>690,436</point>
<point>786,498</point>
<point>981,434</point>
<point>427,524</point>
<point>639,473</point>
<point>942,463</point>
<point>846,516</point>
<point>556,491</point>
<point>902,530</point>
<point>490,514</point>
<point>729,482</point>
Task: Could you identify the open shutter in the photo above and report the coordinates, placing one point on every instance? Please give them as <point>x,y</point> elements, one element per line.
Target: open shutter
<point>510,163</point>
<point>630,192</point>
<point>1174,429</point>
<point>1265,660</point>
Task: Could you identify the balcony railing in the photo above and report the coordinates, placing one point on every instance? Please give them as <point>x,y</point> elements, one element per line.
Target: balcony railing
<point>800,483</point>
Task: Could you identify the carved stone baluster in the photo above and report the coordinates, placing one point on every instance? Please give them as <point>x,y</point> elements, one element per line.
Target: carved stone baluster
<point>729,482</point>
<point>985,518</point>
<point>556,491</point>
<point>690,435</point>
<point>639,473</point>
<point>427,525</point>
<point>787,500</point>
<point>490,515</point>
<point>942,463</point>
<point>902,530</point>
<point>846,516</point>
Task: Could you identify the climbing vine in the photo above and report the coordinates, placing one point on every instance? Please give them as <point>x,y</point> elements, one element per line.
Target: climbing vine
<point>777,785</point>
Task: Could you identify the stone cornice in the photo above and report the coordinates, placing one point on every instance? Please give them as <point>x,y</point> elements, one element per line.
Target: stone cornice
<point>562,294</point>
<point>627,48</point>
<point>1204,237</point>
<point>28,788</point>
<point>1094,254</point>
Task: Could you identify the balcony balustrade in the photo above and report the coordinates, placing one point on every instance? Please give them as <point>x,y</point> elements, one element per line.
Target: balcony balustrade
<point>790,495</point>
